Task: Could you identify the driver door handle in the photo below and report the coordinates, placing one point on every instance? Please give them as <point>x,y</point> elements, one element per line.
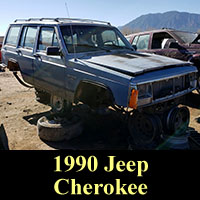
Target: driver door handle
<point>18,51</point>
<point>36,55</point>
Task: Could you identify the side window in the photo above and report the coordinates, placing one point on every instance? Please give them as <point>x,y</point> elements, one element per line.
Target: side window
<point>13,35</point>
<point>28,37</point>
<point>47,38</point>
<point>143,42</point>
<point>159,40</point>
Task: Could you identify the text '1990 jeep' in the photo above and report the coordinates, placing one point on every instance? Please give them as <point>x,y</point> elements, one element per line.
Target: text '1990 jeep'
<point>88,61</point>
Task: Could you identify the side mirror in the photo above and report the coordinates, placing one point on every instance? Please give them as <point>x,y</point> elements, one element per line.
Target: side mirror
<point>134,46</point>
<point>53,51</point>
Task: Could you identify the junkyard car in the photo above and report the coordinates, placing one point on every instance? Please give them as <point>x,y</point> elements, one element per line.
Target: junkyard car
<point>76,60</point>
<point>169,42</point>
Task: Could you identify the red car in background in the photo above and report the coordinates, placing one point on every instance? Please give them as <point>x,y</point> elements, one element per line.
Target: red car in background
<point>168,42</point>
<point>171,43</point>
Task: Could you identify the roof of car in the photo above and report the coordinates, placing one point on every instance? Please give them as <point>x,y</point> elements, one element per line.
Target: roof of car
<point>155,31</point>
<point>59,21</point>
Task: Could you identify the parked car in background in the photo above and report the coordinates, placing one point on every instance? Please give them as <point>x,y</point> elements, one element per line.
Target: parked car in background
<point>169,42</point>
<point>89,61</point>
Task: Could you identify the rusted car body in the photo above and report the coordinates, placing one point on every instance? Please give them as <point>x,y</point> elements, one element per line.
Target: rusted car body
<point>168,42</point>
<point>171,43</point>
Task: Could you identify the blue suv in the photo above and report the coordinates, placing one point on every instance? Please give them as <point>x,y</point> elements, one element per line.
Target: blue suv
<point>89,61</point>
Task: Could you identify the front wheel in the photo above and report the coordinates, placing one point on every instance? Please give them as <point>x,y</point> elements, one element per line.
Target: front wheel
<point>145,130</point>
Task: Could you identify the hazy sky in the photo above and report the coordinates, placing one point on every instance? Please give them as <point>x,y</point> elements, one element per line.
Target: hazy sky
<point>118,12</point>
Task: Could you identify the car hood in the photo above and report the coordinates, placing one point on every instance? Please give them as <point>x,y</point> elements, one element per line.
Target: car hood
<point>133,63</point>
<point>191,48</point>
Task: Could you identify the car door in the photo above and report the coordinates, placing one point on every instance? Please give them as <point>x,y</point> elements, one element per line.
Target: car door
<point>163,44</point>
<point>25,52</point>
<point>49,71</point>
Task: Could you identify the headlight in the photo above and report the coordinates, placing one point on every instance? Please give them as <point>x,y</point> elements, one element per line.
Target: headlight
<point>144,94</point>
<point>144,90</point>
<point>140,95</point>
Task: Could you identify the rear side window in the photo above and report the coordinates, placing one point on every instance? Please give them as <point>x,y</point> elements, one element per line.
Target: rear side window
<point>28,37</point>
<point>13,35</point>
<point>159,40</point>
<point>47,38</point>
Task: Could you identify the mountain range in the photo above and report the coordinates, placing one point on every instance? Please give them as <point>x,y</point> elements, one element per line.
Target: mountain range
<point>172,19</point>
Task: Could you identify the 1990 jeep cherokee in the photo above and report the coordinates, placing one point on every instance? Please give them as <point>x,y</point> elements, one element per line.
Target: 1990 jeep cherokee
<point>76,60</point>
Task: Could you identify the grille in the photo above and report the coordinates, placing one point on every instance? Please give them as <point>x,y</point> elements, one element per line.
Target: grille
<point>171,86</point>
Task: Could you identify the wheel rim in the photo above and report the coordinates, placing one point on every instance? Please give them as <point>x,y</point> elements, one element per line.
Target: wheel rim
<point>57,103</point>
<point>144,128</point>
<point>178,120</point>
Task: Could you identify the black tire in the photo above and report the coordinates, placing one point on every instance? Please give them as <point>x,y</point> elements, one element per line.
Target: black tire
<point>145,130</point>
<point>58,131</point>
<point>178,121</point>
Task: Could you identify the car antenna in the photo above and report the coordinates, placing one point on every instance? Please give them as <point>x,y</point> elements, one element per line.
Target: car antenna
<point>71,30</point>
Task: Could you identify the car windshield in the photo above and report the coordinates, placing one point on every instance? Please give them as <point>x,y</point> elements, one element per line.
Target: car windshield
<point>82,38</point>
<point>186,37</point>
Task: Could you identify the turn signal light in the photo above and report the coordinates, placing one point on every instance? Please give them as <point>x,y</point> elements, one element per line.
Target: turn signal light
<point>133,99</point>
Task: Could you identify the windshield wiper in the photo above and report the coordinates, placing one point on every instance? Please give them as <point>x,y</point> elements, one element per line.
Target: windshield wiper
<point>88,45</point>
<point>128,48</point>
<point>121,47</point>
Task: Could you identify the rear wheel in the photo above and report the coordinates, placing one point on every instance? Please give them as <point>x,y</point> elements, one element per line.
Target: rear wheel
<point>57,104</point>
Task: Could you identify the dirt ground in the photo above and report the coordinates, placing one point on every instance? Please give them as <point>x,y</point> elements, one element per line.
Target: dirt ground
<point>19,112</point>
